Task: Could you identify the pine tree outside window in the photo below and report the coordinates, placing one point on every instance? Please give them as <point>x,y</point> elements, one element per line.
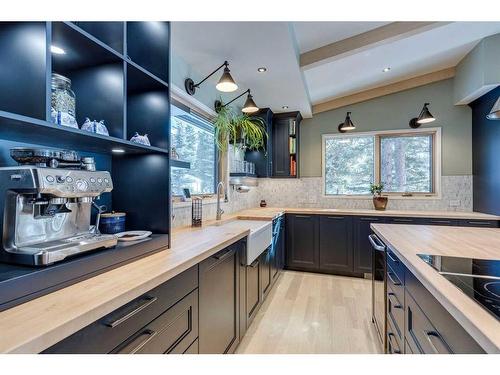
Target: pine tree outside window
<point>408,163</point>
<point>194,141</point>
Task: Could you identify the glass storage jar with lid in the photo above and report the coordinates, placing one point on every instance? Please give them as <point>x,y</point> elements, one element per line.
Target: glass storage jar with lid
<point>63,101</point>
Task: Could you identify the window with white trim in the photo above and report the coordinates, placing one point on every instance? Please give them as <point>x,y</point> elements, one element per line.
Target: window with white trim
<point>408,163</point>
<point>194,141</point>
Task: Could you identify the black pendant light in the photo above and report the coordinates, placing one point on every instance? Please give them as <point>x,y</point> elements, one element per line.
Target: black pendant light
<point>495,111</point>
<point>347,124</point>
<point>423,118</point>
<point>226,82</point>
<point>248,107</point>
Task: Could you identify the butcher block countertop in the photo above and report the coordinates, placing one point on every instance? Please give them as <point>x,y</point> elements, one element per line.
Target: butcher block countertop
<point>40,323</point>
<point>269,212</point>
<point>484,243</point>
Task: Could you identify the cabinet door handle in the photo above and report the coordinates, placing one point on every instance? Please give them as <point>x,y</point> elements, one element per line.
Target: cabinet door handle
<point>148,336</point>
<point>146,303</point>
<point>433,335</point>
<point>391,257</point>
<point>225,255</point>
<point>376,243</point>
<point>254,263</point>
<point>479,222</point>
<point>395,305</point>
<point>395,282</point>
<point>303,216</point>
<point>391,335</point>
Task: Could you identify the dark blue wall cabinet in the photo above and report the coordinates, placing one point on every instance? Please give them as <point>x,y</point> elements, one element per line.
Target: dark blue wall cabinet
<point>120,74</point>
<point>485,146</point>
<point>23,68</point>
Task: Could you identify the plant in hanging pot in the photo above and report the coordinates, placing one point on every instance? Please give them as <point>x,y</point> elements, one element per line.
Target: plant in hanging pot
<point>379,201</point>
<point>244,129</point>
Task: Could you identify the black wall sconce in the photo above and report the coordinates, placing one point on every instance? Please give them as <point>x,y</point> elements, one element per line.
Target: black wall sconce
<point>495,111</point>
<point>347,124</point>
<point>226,82</point>
<point>248,107</point>
<point>423,118</point>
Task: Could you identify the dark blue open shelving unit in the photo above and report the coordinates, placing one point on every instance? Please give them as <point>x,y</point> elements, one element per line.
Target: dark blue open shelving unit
<point>120,73</point>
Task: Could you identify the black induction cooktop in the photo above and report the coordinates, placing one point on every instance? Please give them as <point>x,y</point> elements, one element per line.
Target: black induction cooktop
<point>477,278</point>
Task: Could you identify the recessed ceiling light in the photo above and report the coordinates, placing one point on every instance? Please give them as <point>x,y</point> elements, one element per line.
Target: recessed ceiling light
<point>385,70</point>
<point>57,50</point>
<point>262,69</point>
<point>118,150</point>
<point>285,107</point>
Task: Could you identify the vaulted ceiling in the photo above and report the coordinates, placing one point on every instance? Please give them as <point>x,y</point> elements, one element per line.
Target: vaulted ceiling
<point>314,62</point>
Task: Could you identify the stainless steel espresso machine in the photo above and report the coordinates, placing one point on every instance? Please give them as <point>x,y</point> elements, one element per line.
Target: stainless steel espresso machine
<point>46,203</point>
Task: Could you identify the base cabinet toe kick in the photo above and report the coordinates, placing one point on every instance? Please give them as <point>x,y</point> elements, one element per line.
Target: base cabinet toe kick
<point>416,322</point>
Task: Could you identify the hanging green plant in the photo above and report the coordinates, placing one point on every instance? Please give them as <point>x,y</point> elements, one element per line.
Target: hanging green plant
<point>241,128</point>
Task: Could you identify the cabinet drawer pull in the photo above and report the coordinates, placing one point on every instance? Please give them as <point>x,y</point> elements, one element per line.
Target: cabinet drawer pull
<point>431,336</point>
<point>402,220</point>
<point>391,335</point>
<point>303,216</point>
<point>147,302</point>
<point>369,219</point>
<point>336,217</point>
<point>148,336</point>
<point>395,282</point>
<point>376,243</point>
<point>225,255</point>
<point>479,222</point>
<point>395,305</point>
<point>441,221</point>
<point>391,257</point>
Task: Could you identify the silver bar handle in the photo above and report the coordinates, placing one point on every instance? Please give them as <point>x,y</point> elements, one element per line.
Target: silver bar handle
<point>430,337</point>
<point>395,282</point>
<point>376,243</point>
<point>148,334</point>
<point>124,318</point>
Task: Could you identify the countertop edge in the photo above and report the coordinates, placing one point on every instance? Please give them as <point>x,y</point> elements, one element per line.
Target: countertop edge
<point>481,337</point>
<point>50,337</point>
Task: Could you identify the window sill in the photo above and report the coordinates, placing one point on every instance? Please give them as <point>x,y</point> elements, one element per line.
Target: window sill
<point>391,197</point>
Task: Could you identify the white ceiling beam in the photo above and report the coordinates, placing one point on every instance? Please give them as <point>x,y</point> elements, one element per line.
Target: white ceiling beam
<point>358,43</point>
<point>384,90</point>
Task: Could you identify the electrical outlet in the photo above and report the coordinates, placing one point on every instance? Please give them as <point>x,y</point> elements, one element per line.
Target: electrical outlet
<point>454,203</point>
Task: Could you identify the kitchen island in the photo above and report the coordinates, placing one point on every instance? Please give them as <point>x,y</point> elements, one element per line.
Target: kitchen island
<point>406,241</point>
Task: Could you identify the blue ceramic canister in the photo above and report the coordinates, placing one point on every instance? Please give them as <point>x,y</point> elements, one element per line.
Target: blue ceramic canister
<point>112,222</point>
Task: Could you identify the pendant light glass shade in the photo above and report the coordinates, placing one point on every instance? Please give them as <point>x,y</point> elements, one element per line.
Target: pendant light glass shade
<point>495,111</point>
<point>226,82</point>
<point>425,116</point>
<point>249,106</point>
<point>347,124</point>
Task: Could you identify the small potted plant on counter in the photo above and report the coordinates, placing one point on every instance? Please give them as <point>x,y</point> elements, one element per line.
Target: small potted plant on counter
<point>379,201</point>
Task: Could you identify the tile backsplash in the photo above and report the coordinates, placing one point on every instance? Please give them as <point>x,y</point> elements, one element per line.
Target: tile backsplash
<point>456,195</point>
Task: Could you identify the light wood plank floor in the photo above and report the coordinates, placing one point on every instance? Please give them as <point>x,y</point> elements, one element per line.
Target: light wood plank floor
<point>314,314</point>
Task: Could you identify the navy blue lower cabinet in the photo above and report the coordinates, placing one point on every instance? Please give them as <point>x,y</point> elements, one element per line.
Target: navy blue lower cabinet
<point>335,244</point>
<point>416,322</point>
<point>302,244</point>
<point>165,320</point>
<point>362,249</point>
<point>219,292</point>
